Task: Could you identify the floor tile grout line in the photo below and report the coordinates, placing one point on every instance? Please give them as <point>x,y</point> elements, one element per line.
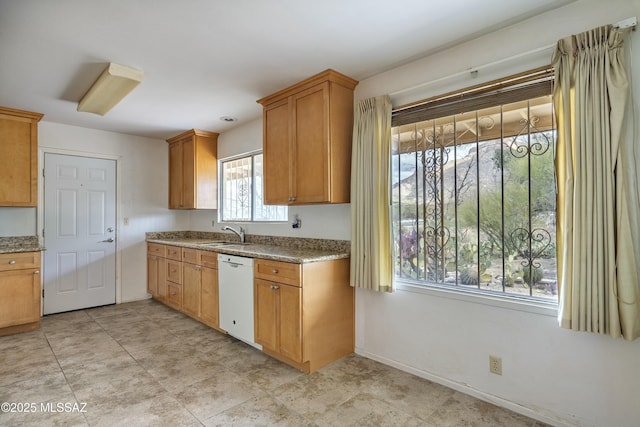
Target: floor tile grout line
<point>171,394</point>
<point>359,372</point>
<point>65,375</point>
<point>168,393</point>
<point>94,320</point>
<point>264,392</point>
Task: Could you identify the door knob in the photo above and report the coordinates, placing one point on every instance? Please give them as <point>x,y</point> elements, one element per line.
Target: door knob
<point>109,240</point>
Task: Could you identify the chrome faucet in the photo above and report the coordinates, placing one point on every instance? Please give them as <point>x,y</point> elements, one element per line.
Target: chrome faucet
<point>239,233</point>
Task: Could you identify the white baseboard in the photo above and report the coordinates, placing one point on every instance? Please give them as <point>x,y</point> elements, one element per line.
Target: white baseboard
<point>466,389</point>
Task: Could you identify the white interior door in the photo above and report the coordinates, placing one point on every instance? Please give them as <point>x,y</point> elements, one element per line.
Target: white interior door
<point>79,232</point>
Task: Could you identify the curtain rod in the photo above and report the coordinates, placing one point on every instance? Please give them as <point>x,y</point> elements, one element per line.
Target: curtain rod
<point>625,23</point>
<point>472,69</point>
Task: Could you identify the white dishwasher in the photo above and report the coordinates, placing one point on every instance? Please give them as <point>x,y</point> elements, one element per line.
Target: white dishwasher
<point>235,282</point>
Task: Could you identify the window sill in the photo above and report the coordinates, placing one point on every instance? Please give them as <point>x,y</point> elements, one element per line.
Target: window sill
<point>538,307</point>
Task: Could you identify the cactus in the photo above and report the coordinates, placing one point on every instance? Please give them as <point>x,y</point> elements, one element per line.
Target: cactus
<point>537,275</point>
<point>469,277</point>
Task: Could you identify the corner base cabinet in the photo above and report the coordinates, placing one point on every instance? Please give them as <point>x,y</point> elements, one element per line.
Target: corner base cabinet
<point>186,280</point>
<point>20,290</point>
<point>304,313</point>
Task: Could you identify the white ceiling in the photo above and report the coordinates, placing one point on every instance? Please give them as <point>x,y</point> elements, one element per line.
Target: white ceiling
<point>204,59</point>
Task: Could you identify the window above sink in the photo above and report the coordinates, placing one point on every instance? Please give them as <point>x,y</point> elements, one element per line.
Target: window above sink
<point>242,191</point>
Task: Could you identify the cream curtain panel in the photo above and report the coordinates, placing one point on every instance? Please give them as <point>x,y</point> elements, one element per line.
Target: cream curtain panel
<point>598,241</point>
<point>371,257</point>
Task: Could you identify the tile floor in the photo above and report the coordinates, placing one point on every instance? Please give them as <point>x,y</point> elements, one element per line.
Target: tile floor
<point>142,363</point>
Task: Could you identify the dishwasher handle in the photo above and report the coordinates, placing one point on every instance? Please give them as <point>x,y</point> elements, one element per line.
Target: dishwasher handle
<point>233,264</point>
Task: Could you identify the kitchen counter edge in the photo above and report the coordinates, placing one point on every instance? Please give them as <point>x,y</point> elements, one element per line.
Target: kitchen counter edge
<point>20,249</point>
<point>255,250</point>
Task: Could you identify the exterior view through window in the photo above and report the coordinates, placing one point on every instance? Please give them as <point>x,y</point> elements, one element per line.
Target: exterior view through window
<point>473,198</point>
<point>242,192</point>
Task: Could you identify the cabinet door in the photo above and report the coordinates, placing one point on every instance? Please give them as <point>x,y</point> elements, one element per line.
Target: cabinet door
<point>18,161</point>
<point>175,175</point>
<point>188,173</point>
<point>290,322</point>
<point>276,149</point>
<point>152,274</point>
<point>174,295</point>
<point>20,301</point>
<point>162,279</point>
<point>310,158</point>
<point>209,299</point>
<point>191,289</point>
<point>265,314</point>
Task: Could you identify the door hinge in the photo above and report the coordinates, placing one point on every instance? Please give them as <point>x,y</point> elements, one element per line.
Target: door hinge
<point>43,232</point>
<point>42,292</point>
<point>43,172</point>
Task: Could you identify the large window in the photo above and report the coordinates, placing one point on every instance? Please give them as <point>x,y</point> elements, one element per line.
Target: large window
<point>473,192</point>
<point>241,187</point>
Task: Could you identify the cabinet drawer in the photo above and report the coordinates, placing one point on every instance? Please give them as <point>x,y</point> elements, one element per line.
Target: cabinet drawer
<point>174,271</point>
<point>208,259</point>
<point>277,271</point>
<point>19,261</point>
<point>190,255</point>
<point>174,295</point>
<point>174,252</point>
<point>156,249</point>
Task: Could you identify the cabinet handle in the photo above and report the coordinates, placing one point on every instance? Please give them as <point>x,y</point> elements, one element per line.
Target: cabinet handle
<point>13,261</point>
<point>275,287</point>
<point>274,271</point>
<point>36,272</point>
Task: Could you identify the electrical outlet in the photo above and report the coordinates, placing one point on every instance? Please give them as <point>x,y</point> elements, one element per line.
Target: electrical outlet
<point>495,365</point>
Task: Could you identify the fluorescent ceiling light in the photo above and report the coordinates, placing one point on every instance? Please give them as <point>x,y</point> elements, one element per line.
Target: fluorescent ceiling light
<point>115,82</point>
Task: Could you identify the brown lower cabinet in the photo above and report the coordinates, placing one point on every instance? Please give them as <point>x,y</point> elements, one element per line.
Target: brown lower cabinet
<point>173,274</point>
<point>20,290</point>
<point>184,279</point>
<point>191,287</point>
<point>209,297</point>
<point>278,318</point>
<point>303,313</point>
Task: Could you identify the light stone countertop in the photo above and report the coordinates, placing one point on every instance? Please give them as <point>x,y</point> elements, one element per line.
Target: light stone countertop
<point>294,250</point>
<point>10,245</point>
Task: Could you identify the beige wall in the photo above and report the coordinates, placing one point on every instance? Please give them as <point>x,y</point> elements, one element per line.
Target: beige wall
<point>142,192</point>
<point>562,377</point>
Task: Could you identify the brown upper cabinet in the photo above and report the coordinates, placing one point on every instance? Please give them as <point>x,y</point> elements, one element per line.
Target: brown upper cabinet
<point>18,157</point>
<point>307,141</point>
<point>193,170</point>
